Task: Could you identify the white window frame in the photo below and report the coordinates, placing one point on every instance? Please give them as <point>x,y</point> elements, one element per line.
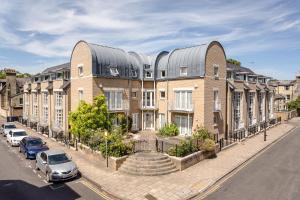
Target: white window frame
<point>161,73</point>
<point>135,121</point>
<point>114,99</point>
<point>134,96</point>
<point>35,107</point>
<point>183,71</point>
<point>251,110</point>
<point>183,100</point>
<point>216,69</point>
<point>80,94</point>
<point>148,102</point>
<point>146,74</point>
<point>160,94</point>
<point>162,120</point>
<point>80,70</point>
<point>237,114</point>
<point>59,112</point>
<point>184,124</point>
<point>114,71</point>
<point>45,99</point>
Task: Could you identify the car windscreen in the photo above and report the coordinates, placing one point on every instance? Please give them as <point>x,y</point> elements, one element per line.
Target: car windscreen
<point>37,142</point>
<point>19,133</point>
<point>11,126</point>
<point>58,159</point>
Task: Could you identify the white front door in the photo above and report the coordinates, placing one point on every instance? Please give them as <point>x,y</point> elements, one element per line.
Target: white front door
<point>135,121</point>
<point>148,120</point>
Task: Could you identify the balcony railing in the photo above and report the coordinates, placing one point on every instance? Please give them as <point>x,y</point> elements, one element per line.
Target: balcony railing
<point>147,107</point>
<point>188,108</point>
<point>124,107</point>
<point>217,107</point>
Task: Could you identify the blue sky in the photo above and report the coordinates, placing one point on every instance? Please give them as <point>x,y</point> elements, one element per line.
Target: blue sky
<point>263,35</point>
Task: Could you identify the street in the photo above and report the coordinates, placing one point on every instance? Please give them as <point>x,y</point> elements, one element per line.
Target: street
<point>275,174</point>
<point>19,180</point>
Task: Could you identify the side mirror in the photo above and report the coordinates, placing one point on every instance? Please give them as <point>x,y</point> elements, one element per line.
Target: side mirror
<point>44,143</point>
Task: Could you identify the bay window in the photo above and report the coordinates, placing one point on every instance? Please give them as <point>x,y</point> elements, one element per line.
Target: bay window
<point>114,100</point>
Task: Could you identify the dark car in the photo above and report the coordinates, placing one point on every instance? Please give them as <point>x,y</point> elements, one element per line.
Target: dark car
<point>30,146</point>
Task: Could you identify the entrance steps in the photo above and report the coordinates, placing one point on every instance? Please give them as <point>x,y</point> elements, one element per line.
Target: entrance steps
<point>148,164</point>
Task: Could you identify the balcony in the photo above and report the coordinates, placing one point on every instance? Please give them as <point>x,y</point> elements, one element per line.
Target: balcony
<point>217,107</point>
<point>186,109</point>
<point>122,108</point>
<point>147,107</point>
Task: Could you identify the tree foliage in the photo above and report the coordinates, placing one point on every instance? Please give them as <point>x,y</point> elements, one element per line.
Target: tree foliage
<point>294,105</point>
<point>89,117</point>
<point>233,61</point>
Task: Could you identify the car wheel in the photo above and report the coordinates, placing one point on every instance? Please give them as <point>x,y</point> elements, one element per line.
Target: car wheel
<point>26,155</point>
<point>48,177</point>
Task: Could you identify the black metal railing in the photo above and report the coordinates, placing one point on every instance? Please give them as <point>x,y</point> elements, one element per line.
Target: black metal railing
<point>252,130</point>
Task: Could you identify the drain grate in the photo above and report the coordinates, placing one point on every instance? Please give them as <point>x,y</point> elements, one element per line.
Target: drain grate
<point>150,197</point>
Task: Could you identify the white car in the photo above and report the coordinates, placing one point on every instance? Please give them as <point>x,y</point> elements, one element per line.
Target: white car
<point>5,128</point>
<point>15,136</point>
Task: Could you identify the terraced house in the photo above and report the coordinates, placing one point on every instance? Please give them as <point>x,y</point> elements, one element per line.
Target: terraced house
<point>250,100</point>
<point>186,86</point>
<point>191,86</point>
<point>47,100</point>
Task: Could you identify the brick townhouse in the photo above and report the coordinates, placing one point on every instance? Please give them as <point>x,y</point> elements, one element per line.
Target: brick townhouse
<point>47,100</point>
<point>11,94</point>
<point>191,86</point>
<point>286,91</point>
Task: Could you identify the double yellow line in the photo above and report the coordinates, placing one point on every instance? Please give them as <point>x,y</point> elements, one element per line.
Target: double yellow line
<point>94,189</point>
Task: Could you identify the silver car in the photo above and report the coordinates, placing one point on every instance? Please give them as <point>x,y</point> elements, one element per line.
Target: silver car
<point>5,128</point>
<point>56,164</point>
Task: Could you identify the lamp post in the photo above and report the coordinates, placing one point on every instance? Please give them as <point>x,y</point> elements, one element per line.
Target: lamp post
<point>265,125</point>
<point>106,151</point>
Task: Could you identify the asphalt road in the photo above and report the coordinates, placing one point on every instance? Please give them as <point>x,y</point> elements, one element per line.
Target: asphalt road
<point>275,174</point>
<point>19,180</point>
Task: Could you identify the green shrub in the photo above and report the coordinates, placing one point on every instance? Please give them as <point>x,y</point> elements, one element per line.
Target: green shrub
<point>169,130</point>
<point>95,139</point>
<point>208,145</point>
<point>185,148</point>
<point>116,147</point>
<point>122,121</point>
<point>201,133</point>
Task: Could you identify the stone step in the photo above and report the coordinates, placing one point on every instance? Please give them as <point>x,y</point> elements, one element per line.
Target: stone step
<point>148,162</point>
<point>149,173</point>
<point>149,165</point>
<point>135,170</point>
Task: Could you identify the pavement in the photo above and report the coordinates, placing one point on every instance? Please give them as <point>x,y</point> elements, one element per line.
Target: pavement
<point>20,181</point>
<point>179,185</point>
<point>272,175</point>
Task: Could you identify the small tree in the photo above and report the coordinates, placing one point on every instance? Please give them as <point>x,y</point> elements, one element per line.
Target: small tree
<point>233,61</point>
<point>89,117</point>
<point>294,105</point>
<point>201,133</point>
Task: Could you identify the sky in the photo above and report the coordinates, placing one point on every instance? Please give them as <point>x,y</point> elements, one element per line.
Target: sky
<point>263,35</point>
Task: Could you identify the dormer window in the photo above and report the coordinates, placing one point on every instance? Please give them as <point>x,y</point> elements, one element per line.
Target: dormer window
<point>148,74</point>
<point>133,73</point>
<point>59,75</point>
<point>114,71</point>
<point>46,77</point>
<point>183,71</point>
<point>163,73</point>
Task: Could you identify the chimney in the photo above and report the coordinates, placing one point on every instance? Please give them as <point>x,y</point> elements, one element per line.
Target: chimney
<point>11,80</point>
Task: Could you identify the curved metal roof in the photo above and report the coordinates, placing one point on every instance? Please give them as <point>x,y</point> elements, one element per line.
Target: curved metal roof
<point>191,57</point>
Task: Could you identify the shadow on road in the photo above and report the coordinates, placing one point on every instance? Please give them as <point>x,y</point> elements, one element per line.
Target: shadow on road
<point>21,190</point>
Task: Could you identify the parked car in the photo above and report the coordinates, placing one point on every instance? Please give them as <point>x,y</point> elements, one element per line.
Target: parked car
<point>15,136</point>
<point>56,165</point>
<point>5,128</point>
<point>30,146</point>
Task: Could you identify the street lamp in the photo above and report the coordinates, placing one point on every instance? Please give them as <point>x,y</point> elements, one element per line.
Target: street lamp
<point>106,151</point>
<point>265,125</point>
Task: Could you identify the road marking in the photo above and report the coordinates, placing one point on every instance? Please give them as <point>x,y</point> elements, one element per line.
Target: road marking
<point>91,187</point>
<point>45,181</point>
<point>39,176</point>
<point>30,166</point>
<point>34,171</point>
